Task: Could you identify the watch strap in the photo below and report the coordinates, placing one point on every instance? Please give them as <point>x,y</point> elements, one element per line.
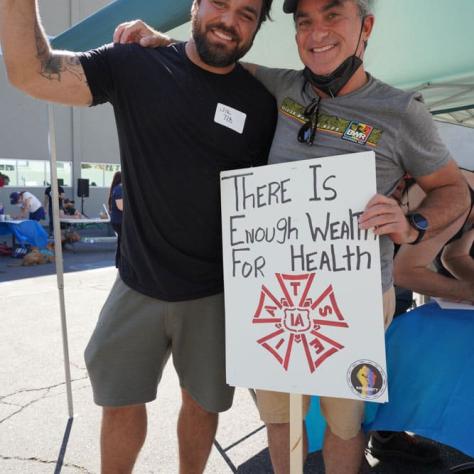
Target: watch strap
<point>421,232</point>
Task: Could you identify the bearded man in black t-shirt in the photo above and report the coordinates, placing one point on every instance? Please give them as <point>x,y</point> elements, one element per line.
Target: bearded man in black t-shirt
<point>183,114</point>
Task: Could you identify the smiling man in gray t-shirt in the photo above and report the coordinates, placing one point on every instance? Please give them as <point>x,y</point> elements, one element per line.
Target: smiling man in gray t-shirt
<point>392,123</point>
<point>335,107</point>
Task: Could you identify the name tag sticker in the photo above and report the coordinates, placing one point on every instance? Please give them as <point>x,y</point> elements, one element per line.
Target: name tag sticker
<point>230,118</point>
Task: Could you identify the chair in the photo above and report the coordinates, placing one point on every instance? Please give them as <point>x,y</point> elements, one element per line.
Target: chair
<point>106,211</point>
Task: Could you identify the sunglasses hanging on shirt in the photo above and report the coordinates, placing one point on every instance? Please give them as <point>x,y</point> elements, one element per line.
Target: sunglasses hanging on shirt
<point>307,132</point>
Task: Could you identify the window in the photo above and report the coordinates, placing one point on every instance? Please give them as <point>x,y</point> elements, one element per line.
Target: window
<point>34,173</point>
<point>8,168</point>
<point>63,171</point>
<point>99,174</point>
<point>31,173</point>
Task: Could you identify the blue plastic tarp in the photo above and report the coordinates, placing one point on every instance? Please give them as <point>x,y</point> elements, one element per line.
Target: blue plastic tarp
<point>430,356</point>
<point>26,232</point>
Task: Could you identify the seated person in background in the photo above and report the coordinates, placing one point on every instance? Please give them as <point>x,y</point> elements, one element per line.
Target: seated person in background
<point>69,211</point>
<point>29,204</point>
<point>441,266</point>
<point>451,255</point>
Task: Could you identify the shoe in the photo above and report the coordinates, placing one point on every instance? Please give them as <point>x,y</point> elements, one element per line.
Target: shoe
<point>401,445</point>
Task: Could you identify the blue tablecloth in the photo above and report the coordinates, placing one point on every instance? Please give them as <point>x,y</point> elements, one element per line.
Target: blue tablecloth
<point>26,231</point>
<point>430,357</point>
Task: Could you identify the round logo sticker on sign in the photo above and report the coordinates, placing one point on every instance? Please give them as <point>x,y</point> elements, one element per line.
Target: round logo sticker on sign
<point>366,379</point>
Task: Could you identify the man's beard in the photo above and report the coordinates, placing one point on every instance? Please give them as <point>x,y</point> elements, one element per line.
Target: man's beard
<point>217,55</point>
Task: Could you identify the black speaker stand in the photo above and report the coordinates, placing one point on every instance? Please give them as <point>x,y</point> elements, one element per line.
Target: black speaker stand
<point>82,208</point>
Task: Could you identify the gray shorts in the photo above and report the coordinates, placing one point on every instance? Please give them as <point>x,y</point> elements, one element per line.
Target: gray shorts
<point>136,334</point>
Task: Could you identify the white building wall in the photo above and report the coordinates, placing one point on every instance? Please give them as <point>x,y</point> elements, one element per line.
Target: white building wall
<point>89,135</point>
<point>82,135</point>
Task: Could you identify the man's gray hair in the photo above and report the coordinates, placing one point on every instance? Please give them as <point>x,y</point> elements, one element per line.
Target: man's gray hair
<point>365,7</point>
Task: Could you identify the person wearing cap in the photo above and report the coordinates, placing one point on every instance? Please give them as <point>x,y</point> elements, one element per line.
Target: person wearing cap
<point>332,36</point>
<point>334,88</point>
<point>30,205</point>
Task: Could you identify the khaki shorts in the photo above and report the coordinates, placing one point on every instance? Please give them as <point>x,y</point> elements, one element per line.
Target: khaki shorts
<point>344,416</point>
<point>134,338</point>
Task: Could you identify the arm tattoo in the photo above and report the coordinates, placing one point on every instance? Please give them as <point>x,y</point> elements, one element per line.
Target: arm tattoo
<point>54,65</point>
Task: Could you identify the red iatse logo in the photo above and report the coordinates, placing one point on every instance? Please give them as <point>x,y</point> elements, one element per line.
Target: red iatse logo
<point>299,315</point>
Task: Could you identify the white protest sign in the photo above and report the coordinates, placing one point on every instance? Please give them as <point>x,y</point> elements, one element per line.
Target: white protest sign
<point>303,298</point>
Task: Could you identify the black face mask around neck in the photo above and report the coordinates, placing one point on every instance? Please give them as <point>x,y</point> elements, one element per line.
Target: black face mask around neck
<point>332,84</point>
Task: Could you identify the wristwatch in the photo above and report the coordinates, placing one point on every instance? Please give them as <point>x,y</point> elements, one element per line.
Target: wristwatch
<point>418,222</point>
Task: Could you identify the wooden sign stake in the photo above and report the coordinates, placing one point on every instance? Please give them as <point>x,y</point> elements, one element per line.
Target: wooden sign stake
<point>296,433</point>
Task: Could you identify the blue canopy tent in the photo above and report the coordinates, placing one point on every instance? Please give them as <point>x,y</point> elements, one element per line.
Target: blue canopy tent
<point>424,45</point>
<point>430,49</point>
<point>98,28</point>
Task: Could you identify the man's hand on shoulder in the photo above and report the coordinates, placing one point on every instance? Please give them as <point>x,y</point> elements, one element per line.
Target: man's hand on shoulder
<point>137,31</point>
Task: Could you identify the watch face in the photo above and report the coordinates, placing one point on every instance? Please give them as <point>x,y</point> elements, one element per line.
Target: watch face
<point>419,221</point>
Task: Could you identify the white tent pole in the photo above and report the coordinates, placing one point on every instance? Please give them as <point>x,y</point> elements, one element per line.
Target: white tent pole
<point>296,433</point>
<point>59,255</point>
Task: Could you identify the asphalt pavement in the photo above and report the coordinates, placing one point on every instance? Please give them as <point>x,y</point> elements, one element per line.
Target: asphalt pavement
<point>36,435</point>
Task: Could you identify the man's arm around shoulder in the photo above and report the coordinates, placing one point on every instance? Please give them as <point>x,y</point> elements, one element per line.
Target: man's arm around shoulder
<point>447,199</point>
<point>32,66</point>
<point>447,196</point>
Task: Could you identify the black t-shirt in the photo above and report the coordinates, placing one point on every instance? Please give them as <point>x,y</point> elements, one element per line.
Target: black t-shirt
<point>172,151</point>
<point>47,192</point>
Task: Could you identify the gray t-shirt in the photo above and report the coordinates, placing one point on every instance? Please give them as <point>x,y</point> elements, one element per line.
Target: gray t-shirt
<point>394,124</point>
